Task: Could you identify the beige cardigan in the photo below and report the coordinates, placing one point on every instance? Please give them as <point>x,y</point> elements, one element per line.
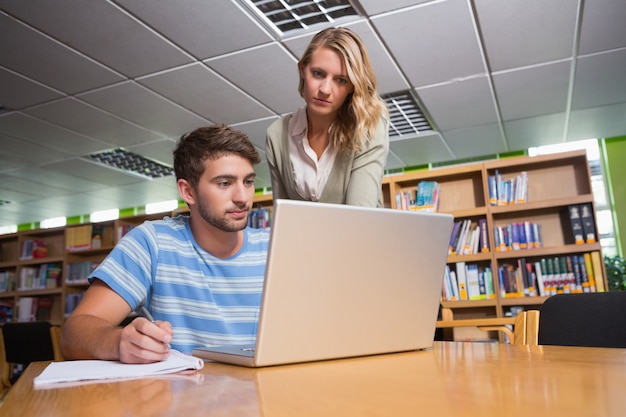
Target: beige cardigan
<point>355,179</point>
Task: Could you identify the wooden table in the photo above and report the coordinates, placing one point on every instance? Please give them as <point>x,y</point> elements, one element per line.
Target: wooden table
<point>451,379</point>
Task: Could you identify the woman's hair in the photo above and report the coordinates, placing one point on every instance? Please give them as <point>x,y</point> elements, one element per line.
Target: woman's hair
<point>212,142</point>
<point>360,114</point>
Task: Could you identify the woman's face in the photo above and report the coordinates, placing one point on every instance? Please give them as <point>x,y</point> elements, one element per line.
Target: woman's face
<point>326,82</point>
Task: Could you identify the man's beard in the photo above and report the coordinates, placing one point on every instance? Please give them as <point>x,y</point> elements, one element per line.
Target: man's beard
<point>222,223</point>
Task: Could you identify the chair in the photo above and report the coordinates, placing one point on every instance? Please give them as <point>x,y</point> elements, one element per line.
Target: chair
<point>526,328</point>
<point>26,342</point>
<point>590,319</point>
<point>485,324</point>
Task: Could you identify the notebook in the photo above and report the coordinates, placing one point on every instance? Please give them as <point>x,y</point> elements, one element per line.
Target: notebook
<point>344,281</point>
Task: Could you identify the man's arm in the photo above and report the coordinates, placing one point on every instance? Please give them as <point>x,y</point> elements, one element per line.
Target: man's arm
<point>92,331</point>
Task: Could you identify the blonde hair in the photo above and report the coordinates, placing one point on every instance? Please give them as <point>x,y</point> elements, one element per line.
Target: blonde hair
<point>360,113</point>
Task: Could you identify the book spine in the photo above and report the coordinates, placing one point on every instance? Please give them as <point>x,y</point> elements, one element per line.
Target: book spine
<point>588,223</point>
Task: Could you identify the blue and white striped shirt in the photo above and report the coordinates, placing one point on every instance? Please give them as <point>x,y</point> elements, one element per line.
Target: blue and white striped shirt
<point>209,301</point>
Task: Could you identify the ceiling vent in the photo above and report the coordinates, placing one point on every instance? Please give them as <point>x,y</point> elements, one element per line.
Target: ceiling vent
<point>406,116</point>
<point>291,15</point>
<point>132,163</point>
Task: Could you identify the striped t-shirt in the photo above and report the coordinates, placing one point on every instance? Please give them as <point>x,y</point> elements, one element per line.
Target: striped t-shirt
<point>209,301</point>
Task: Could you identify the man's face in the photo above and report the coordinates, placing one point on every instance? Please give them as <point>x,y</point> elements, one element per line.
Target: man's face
<point>225,192</point>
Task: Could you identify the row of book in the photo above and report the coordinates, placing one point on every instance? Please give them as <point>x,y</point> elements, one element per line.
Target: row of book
<point>578,224</point>
<point>85,237</point>
<point>260,218</point>
<point>510,191</point>
<point>568,274</point>
<point>6,311</point>
<point>425,197</point>
<point>468,237</point>
<point>517,235</point>
<point>467,282</point>
<point>34,308</point>
<point>7,281</point>
<point>34,249</point>
<point>46,275</point>
<point>77,272</point>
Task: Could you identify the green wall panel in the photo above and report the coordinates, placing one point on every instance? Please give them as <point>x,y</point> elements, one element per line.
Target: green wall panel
<point>616,173</point>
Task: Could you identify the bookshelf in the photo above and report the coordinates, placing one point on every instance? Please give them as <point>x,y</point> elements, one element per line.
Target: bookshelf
<point>554,182</point>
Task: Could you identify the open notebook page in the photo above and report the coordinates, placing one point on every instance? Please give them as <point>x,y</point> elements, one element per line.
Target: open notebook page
<point>83,370</point>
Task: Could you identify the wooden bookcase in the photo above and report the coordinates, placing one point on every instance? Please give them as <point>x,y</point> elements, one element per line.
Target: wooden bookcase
<point>554,182</point>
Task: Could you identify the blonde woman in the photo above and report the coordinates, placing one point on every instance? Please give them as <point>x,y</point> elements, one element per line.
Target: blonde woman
<point>333,149</point>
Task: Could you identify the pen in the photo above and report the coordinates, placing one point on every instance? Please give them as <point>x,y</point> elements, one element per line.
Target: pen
<point>145,313</point>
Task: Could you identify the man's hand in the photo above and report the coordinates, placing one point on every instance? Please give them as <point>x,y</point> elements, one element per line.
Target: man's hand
<point>145,342</point>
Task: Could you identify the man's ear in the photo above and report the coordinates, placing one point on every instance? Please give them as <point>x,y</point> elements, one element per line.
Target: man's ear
<point>186,191</point>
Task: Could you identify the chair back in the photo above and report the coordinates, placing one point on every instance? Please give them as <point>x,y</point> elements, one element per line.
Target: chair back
<point>590,319</point>
<point>23,343</point>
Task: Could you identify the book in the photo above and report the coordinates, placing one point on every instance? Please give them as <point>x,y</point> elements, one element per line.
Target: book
<point>89,370</point>
<point>589,227</point>
<point>484,235</point>
<point>461,277</point>
<point>489,287</point>
<point>572,225</point>
<point>78,238</point>
<point>589,270</point>
<point>597,263</point>
<point>473,283</point>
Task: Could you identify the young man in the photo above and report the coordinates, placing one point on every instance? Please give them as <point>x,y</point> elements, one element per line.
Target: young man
<point>200,276</point>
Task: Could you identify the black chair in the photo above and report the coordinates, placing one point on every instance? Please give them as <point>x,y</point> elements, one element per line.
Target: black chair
<point>590,319</point>
<point>25,342</point>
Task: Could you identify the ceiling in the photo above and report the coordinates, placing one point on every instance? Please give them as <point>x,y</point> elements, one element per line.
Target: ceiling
<point>79,77</point>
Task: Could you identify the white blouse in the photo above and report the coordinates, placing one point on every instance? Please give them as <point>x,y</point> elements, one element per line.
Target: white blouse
<point>309,173</point>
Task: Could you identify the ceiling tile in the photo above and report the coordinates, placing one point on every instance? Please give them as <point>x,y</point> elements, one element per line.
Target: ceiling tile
<point>36,131</point>
<point>256,130</point>
<point>64,69</point>
<point>95,172</point>
<point>68,180</point>
<point>428,47</point>
<point>139,105</point>
<point>228,27</point>
<point>32,153</point>
<point>602,26</point>
<point>533,91</point>
<point>19,92</point>
<point>535,131</point>
<point>477,140</point>
<point>268,73</point>
<point>421,150</point>
<point>88,120</point>
<point>598,122</point>
<point>467,102</point>
<point>94,27</point>
<point>160,151</point>
<point>374,7</point>
<point>202,91</point>
<point>517,33</point>
<point>600,80</point>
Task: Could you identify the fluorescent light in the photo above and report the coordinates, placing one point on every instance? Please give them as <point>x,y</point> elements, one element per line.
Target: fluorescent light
<point>4,230</point>
<point>161,206</point>
<point>104,215</point>
<point>53,222</point>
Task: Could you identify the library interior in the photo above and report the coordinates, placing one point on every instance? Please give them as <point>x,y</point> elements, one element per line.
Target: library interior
<point>508,115</point>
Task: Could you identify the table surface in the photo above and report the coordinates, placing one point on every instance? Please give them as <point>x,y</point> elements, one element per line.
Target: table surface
<point>449,379</point>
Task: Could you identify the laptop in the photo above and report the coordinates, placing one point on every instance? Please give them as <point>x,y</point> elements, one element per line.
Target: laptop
<point>345,281</point>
